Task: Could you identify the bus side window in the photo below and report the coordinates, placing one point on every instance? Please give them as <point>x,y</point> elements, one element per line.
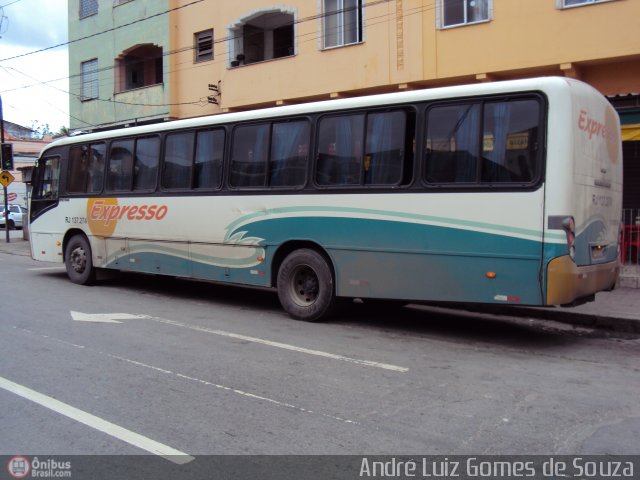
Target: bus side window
<point>385,151</point>
<point>178,160</point>
<point>289,154</point>
<point>208,159</point>
<point>77,168</point>
<point>340,143</point>
<point>47,182</point>
<point>249,156</point>
<point>120,173</point>
<point>85,168</point>
<point>452,144</point>
<point>145,167</point>
<point>510,141</point>
<point>96,168</point>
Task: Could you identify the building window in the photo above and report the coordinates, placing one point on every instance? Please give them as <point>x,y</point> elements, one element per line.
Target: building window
<point>203,45</point>
<point>463,12</point>
<point>88,8</point>
<point>138,67</point>
<point>577,3</point>
<point>342,22</point>
<point>89,79</point>
<point>263,36</point>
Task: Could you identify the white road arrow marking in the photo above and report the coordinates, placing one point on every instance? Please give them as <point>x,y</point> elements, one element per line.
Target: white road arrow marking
<point>104,317</point>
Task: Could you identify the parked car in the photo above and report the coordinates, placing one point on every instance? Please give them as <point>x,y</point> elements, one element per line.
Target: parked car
<point>17,216</point>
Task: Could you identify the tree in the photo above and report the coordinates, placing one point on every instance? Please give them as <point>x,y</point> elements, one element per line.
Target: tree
<point>40,130</point>
<point>63,132</point>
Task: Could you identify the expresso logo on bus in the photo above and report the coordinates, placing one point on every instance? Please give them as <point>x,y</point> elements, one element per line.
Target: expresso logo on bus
<point>103,214</point>
<point>596,129</point>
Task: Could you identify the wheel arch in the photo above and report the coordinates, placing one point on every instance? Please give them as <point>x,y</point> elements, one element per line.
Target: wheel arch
<point>68,236</point>
<point>292,245</point>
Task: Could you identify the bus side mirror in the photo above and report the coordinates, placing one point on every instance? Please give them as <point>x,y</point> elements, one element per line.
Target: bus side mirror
<point>27,174</point>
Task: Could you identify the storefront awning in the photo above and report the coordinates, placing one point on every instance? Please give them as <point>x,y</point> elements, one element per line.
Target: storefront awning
<point>631,133</point>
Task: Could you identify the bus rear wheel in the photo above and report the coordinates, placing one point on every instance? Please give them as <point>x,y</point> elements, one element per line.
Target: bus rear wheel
<point>305,285</point>
<point>79,261</point>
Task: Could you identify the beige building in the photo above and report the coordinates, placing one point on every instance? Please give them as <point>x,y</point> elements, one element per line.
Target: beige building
<point>262,53</point>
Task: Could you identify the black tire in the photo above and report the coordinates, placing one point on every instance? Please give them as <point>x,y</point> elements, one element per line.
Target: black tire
<point>305,286</point>
<point>79,261</point>
<point>12,225</point>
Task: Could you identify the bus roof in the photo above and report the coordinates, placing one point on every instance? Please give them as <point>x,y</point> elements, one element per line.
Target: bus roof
<point>545,84</point>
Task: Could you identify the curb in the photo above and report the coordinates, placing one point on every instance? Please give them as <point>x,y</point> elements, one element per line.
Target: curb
<point>565,315</point>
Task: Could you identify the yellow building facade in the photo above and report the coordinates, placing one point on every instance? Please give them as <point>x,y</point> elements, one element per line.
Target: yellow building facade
<point>235,55</point>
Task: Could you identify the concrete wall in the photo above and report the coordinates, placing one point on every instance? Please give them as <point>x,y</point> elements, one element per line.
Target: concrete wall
<point>111,107</point>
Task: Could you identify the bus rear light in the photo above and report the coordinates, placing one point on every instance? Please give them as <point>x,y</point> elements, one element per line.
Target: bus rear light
<point>597,251</point>
<point>569,226</point>
<point>491,275</point>
<point>620,241</point>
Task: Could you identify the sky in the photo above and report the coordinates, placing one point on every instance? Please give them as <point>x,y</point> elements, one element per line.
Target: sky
<point>34,88</point>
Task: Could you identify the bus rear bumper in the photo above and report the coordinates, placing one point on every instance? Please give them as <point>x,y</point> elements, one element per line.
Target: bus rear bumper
<point>567,282</point>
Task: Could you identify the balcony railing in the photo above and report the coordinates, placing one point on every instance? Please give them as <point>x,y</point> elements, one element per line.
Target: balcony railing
<point>630,244</point>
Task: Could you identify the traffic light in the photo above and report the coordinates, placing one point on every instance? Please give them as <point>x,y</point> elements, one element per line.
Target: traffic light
<point>7,156</point>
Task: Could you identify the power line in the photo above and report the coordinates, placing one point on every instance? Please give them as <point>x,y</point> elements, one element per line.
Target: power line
<point>100,33</point>
<point>10,3</point>
<point>179,50</point>
<point>202,100</point>
<point>191,47</point>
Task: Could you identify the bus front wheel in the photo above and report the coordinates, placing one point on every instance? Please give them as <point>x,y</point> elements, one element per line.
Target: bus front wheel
<point>78,261</point>
<point>305,285</point>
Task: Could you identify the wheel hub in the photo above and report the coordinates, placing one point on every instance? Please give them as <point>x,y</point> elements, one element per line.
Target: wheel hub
<point>78,260</point>
<point>305,286</point>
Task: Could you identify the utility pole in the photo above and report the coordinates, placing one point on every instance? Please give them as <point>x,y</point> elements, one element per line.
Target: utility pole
<point>6,201</point>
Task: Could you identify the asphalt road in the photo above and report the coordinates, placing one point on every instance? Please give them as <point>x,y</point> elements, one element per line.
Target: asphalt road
<point>204,369</point>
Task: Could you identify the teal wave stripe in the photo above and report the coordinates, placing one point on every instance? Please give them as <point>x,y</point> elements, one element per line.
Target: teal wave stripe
<point>394,216</point>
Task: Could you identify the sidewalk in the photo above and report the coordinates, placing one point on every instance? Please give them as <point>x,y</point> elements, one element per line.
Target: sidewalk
<point>618,310</point>
<point>18,246</point>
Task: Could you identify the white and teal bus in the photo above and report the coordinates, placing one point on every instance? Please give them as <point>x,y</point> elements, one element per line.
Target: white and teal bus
<point>504,193</point>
